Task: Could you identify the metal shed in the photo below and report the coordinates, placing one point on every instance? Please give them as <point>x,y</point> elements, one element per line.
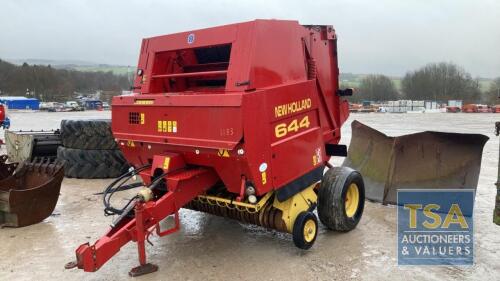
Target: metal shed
<point>20,103</point>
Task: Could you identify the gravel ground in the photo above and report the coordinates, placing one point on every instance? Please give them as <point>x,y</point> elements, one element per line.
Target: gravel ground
<point>213,248</point>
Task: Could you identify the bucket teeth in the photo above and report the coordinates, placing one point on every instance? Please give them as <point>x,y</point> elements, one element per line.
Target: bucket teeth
<point>28,192</point>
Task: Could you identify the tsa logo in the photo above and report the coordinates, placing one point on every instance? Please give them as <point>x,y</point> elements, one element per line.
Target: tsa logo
<point>190,38</point>
<point>435,227</point>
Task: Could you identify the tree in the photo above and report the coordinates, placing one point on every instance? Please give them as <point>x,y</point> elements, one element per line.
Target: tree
<point>376,88</point>
<point>493,94</point>
<point>56,84</point>
<point>440,81</point>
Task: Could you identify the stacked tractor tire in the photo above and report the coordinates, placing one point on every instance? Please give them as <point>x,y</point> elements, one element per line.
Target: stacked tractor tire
<point>90,150</point>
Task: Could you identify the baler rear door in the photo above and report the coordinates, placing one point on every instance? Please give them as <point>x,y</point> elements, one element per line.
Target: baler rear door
<point>190,120</point>
<point>426,160</point>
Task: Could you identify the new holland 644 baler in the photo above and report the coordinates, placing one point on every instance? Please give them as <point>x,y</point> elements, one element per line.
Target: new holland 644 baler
<point>238,121</point>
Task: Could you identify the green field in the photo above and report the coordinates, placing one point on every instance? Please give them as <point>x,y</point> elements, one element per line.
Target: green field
<point>118,70</point>
<point>484,84</point>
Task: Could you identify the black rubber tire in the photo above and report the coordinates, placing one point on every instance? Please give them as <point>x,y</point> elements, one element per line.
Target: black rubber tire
<point>87,134</point>
<point>331,198</point>
<point>92,163</point>
<point>298,230</point>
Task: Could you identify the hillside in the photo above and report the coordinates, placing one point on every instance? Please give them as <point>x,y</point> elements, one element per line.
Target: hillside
<point>77,65</point>
<point>49,83</point>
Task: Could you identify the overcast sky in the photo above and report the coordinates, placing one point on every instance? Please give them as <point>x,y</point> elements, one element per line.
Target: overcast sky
<point>384,36</point>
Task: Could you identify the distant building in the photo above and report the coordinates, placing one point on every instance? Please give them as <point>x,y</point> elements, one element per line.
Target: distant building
<point>455,103</point>
<point>92,104</point>
<point>20,103</point>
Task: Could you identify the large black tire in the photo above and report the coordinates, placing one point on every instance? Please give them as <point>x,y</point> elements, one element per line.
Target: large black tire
<point>92,163</point>
<point>332,194</point>
<point>87,134</point>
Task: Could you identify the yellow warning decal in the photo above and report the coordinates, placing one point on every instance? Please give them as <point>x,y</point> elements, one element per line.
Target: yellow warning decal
<point>167,126</point>
<point>223,153</point>
<point>317,157</point>
<point>144,102</point>
<point>130,143</point>
<point>166,163</point>
<point>264,177</point>
<point>142,118</point>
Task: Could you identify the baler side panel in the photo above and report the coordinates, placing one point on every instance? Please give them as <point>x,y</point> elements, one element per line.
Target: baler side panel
<point>257,139</point>
<point>324,51</point>
<point>295,131</point>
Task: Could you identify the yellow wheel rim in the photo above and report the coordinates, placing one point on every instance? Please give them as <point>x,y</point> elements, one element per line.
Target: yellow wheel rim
<point>352,200</point>
<point>309,231</point>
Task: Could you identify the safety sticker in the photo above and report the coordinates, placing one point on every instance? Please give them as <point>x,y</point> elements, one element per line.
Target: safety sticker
<point>223,153</point>
<point>166,163</point>
<point>317,157</point>
<point>144,102</point>
<point>167,126</point>
<point>142,118</point>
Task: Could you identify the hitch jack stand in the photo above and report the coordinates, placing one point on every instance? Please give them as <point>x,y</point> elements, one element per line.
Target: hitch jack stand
<point>145,268</point>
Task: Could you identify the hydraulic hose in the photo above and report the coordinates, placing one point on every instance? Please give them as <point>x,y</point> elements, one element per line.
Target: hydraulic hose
<point>119,183</point>
<point>128,208</point>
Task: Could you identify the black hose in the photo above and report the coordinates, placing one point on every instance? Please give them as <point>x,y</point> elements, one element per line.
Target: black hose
<point>111,189</point>
<point>127,210</point>
<point>156,181</point>
<point>122,188</point>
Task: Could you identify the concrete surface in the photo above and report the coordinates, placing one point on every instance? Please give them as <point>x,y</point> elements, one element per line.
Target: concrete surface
<point>212,248</point>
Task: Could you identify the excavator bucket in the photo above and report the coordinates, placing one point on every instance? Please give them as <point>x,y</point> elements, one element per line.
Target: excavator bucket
<point>30,193</point>
<point>426,160</point>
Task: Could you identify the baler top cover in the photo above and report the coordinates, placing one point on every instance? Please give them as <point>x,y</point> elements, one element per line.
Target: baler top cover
<point>234,58</point>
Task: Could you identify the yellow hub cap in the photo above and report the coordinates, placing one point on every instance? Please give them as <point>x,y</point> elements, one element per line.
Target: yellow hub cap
<point>351,200</point>
<point>309,231</point>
